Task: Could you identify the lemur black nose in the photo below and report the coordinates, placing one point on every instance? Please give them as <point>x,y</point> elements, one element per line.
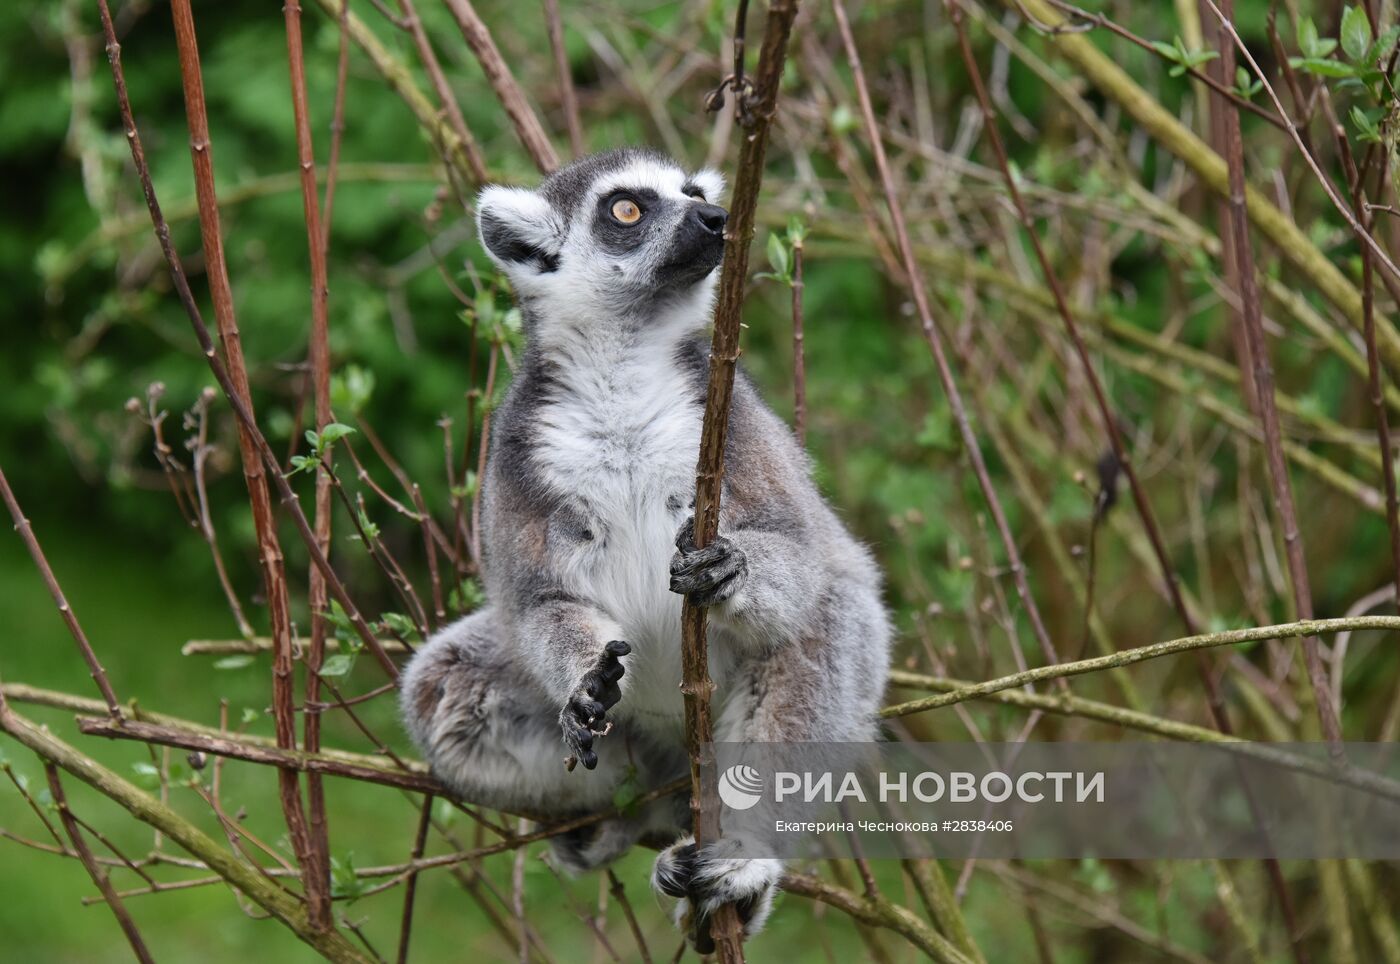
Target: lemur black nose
<point>710,217</point>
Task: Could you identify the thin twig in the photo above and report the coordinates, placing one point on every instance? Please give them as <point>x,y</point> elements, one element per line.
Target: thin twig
<point>36,552</point>
<point>1126,657</point>
<point>420,841</point>
<point>934,338</point>
<point>568,97</point>
<point>1238,231</point>
<point>98,875</point>
<point>508,92</point>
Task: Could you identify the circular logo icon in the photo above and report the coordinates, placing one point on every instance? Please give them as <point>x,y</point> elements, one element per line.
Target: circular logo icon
<point>740,787</point>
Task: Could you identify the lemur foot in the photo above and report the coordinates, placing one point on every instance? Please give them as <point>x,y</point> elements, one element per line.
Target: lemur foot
<point>585,713</point>
<point>709,575</point>
<point>714,875</point>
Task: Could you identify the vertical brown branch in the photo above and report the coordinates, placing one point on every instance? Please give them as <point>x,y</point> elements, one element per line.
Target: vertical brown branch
<point>709,472</point>
<point>241,410</point>
<point>318,869</point>
<point>568,97</point>
<point>522,115</point>
<point>109,893</point>
<point>913,273</point>
<point>26,533</point>
<point>1237,231</point>
<point>269,548</point>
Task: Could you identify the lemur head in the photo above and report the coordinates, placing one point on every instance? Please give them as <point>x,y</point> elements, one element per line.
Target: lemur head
<point>626,235</point>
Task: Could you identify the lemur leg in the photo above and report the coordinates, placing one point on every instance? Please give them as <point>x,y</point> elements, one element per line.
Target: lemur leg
<point>491,734</point>
<point>824,687</point>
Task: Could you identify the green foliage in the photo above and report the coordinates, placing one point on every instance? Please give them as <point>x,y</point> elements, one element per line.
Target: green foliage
<point>1182,58</point>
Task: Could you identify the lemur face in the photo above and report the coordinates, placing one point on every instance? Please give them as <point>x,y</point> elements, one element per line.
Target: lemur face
<point>626,233</point>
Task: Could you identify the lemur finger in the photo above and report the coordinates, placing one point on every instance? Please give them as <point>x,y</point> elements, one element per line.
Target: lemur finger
<point>606,694</point>
<point>716,594</point>
<point>685,536</point>
<point>697,579</point>
<point>617,647</point>
<point>714,553</point>
<point>674,869</point>
<point>700,933</point>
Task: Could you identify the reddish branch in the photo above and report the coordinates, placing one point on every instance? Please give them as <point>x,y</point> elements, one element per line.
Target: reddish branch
<point>522,115</point>
<point>1237,237</point>
<point>914,274</point>
<point>757,115</point>
<point>414,25</point>
<point>287,760</point>
<point>26,533</point>
<point>221,372</point>
<point>98,875</point>
<point>567,96</point>
<point>259,498</point>
<point>318,869</point>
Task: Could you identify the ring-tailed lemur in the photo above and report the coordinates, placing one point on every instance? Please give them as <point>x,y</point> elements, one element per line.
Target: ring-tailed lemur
<point>587,541</point>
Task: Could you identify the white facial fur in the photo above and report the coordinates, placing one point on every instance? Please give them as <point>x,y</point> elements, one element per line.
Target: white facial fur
<point>580,284</point>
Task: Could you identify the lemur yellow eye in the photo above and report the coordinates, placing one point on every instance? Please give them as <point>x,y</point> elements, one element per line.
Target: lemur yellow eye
<point>626,211</point>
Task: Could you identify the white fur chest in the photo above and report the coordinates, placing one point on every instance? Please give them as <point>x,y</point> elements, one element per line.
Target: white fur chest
<point>619,440</point>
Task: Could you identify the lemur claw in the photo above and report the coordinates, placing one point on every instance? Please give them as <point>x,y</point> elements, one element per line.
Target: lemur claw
<point>584,715</point>
<point>709,575</point>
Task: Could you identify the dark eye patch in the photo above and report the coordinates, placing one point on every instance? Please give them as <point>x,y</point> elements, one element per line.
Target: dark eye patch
<point>618,238</point>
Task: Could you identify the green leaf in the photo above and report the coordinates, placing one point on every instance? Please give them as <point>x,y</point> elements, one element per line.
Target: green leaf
<point>1366,126</point>
<point>1246,85</point>
<point>303,463</point>
<point>338,665</point>
<point>1356,33</point>
<point>843,121</point>
<point>1169,51</point>
<point>778,255</point>
<point>399,624</point>
<point>334,432</point>
<point>344,882</point>
<point>1384,44</point>
<point>1324,67</point>
<point>351,389</point>
<point>234,662</point>
<point>147,776</point>
<point>250,715</point>
<point>1307,37</point>
<point>628,791</point>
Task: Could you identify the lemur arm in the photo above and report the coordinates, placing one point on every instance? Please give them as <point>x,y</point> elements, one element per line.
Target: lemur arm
<point>562,638</point>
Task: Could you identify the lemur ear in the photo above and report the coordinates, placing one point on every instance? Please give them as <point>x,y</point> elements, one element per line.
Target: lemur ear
<point>519,229</point>
<point>711,182</point>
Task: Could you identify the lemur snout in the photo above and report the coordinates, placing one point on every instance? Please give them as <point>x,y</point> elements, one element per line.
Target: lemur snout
<point>710,217</point>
